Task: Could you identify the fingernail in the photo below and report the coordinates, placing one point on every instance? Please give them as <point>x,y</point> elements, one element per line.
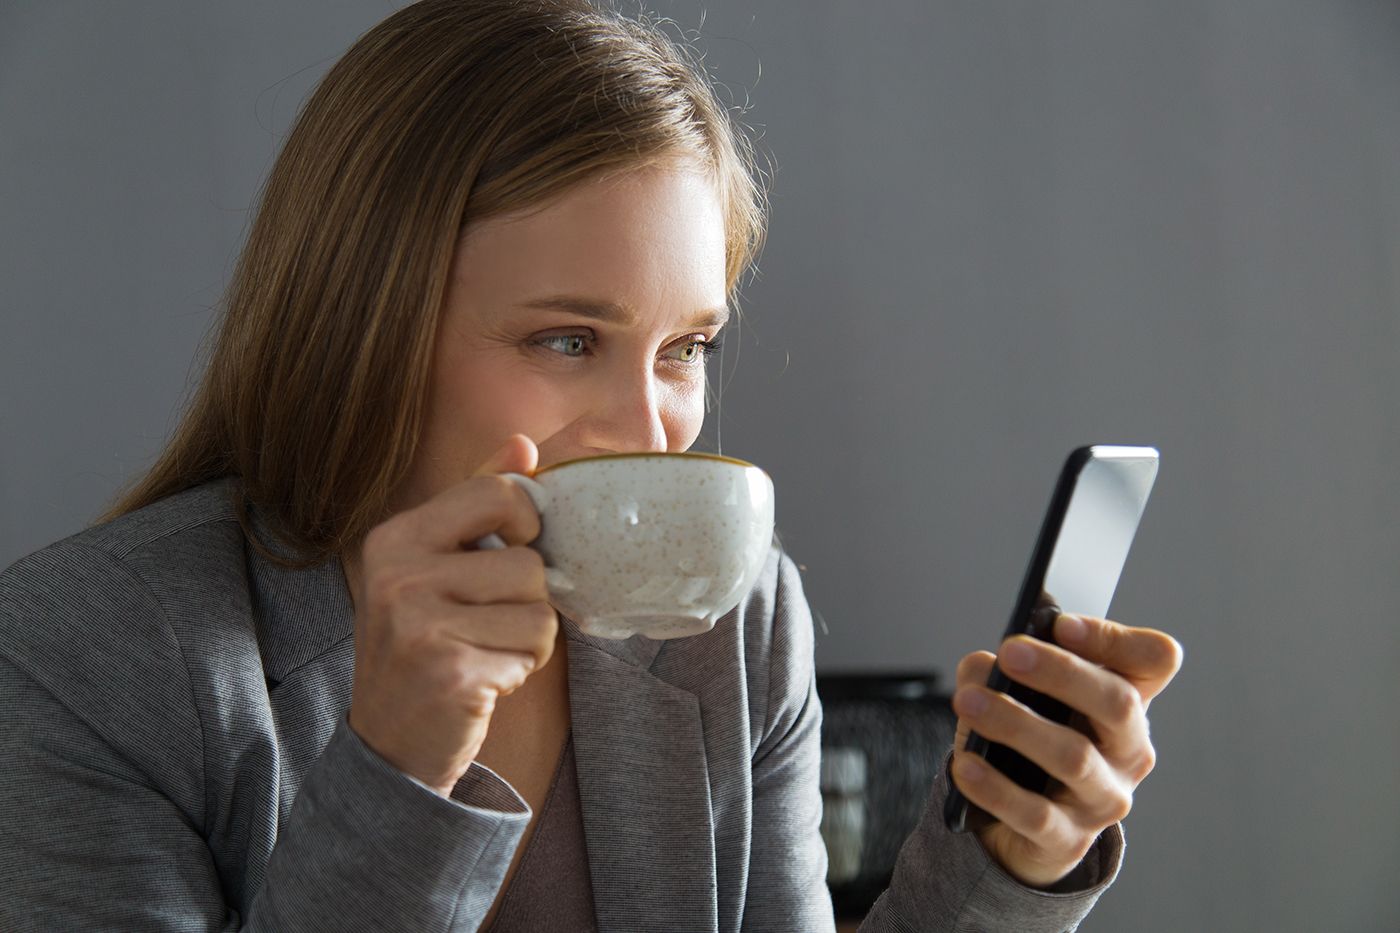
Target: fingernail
<point>1016,656</point>
<point>1072,629</point>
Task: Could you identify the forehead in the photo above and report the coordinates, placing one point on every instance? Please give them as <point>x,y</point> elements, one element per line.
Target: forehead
<point>653,238</point>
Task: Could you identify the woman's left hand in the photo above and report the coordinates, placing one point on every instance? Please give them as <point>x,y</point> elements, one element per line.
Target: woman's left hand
<point>1106,672</point>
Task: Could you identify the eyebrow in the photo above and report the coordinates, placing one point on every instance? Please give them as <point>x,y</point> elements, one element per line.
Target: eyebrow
<point>614,313</point>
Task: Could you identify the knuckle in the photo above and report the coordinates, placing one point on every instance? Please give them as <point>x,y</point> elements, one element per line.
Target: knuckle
<point>1119,806</point>
<point>543,619</point>
<point>1040,820</point>
<point>463,680</point>
<point>1079,760</point>
<point>1115,633</point>
<point>388,586</point>
<point>1124,703</point>
<point>1110,639</point>
<point>406,583</point>
<point>420,641</point>
<point>476,699</point>
<point>1146,761</point>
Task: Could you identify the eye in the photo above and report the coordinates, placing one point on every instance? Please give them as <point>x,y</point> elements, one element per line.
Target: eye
<point>694,351</point>
<point>565,344</point>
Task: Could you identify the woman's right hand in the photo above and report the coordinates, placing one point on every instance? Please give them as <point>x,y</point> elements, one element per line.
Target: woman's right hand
<point>443,629</point>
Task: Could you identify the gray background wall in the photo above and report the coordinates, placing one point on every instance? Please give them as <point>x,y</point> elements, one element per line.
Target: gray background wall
<point>1000,230</point>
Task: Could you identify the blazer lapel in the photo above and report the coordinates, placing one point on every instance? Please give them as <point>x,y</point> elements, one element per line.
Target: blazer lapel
<point>644,787</point>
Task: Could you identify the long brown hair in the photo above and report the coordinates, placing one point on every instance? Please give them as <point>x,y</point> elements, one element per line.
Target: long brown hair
<point>446,113</point>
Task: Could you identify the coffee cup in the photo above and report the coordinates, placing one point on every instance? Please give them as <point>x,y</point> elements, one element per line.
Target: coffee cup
<point>656,544</point>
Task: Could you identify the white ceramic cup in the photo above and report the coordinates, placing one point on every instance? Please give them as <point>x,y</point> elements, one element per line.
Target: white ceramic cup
<point>659,545</point>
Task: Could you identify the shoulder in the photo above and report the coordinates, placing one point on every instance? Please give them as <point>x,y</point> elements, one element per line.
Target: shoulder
<point>189,521</point>
<point>89,618</point>
<point>120,569</point>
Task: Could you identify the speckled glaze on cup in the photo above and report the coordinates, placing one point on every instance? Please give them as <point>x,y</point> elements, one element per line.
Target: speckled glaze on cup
<point>660,545</point>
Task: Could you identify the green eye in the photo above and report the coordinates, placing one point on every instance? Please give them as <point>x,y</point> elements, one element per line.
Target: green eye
<point>696,351</point>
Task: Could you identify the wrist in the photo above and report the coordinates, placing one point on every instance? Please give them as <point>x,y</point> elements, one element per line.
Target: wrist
<point>1030,869</point>
<point>437,781</point>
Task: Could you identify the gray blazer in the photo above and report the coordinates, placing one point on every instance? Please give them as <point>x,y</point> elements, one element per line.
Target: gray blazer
<point>176,757</point>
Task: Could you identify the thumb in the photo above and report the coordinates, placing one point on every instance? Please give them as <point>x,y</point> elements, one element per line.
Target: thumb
<point>517,455</point>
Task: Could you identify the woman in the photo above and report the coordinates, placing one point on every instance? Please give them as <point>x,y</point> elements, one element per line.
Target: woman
<point>278,689</point>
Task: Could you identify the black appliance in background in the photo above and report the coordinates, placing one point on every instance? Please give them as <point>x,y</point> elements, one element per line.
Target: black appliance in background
<point>884,737</point>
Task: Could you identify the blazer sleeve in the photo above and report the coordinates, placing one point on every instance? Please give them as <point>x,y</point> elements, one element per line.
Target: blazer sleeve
<point>942,881</point>
<point>945,881</point>
<point>102,809</point>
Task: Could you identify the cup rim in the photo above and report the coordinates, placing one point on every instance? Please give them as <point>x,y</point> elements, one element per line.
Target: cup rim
<point>690,454</point>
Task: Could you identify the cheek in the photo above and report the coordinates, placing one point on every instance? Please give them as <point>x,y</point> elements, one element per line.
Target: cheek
<point>490,406</point>
<point>477,403</point>
<point>684,416</point>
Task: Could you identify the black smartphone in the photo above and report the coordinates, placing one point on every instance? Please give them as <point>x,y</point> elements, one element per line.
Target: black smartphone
<point>1078,557</point>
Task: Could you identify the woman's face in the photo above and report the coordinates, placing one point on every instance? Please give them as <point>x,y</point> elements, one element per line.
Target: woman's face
<point>582,325</point>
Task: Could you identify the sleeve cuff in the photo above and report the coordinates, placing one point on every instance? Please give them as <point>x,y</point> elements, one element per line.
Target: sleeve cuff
<point>366,843</point>
<point>942,874</point>
<point>480,788</point>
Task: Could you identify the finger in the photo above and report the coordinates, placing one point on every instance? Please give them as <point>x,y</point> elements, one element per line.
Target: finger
<point>469,677</point>
<point>1149,659</point>
<point>531,628</point>
<point>518,454</point>
<point>1065,754</point>
<point>486,503</point>
<point>506,671</point>
<point>510,575</point>
<point>1027,814</point>
<point>974,668</point>
<point>526,628</point>
<point>515,574</point>
<point>1113,705</point>
<point>458,517</point>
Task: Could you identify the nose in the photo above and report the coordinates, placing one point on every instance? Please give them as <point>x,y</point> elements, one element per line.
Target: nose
<point>629,416</point>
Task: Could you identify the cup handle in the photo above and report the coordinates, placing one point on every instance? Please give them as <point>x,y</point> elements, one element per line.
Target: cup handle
<point>555,579</point>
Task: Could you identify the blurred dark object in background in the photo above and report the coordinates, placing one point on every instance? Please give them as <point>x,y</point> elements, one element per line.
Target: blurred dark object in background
<point>884,737</point>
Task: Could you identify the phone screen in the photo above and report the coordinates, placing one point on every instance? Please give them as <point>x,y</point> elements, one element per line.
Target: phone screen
<point>1074,568</point>
<point>1100,521</point>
